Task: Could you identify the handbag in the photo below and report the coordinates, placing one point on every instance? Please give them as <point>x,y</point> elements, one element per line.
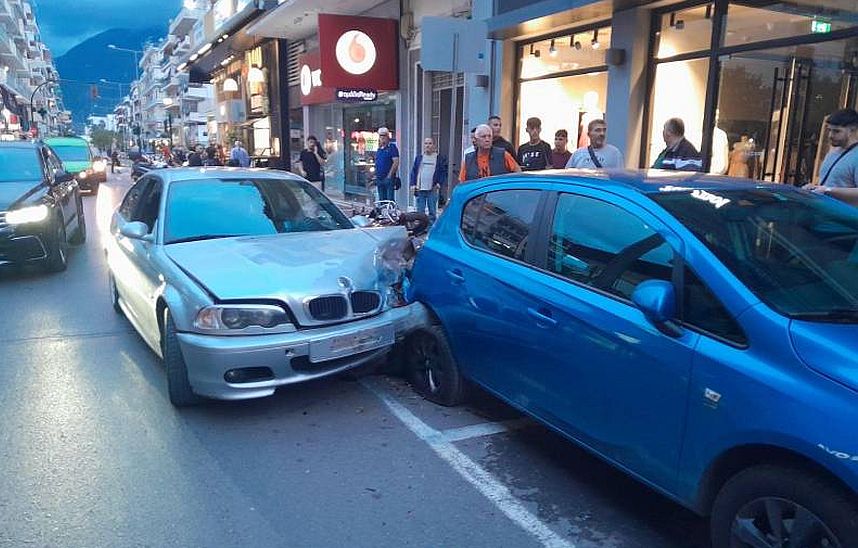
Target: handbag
<point>397,183</point>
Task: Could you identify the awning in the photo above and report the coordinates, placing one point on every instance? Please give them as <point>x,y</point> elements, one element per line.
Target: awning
<point>298,19</point>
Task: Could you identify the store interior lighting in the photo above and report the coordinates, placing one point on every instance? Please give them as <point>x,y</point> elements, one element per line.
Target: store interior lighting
<point>595,42</point>
<point>255,75</point>
<point>535,53</point>
<point>230,85</point>
<point>574,43</point>
<point>552,51</point>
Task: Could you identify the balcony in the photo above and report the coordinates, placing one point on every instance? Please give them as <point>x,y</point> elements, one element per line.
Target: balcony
<point>6,16</point>
<point>185,21</point>
<point>197,94</point>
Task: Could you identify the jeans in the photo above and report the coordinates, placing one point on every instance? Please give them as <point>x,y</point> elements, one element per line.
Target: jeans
<point>385,189</point>
<point>427,198</point>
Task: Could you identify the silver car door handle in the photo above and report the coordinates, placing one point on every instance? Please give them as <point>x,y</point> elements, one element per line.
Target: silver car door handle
<point>541,317</point>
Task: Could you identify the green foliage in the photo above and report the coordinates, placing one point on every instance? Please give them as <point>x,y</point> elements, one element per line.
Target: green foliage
<point>103,139</point>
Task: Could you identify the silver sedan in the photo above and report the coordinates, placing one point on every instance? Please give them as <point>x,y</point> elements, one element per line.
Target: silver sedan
<point>244,280</point>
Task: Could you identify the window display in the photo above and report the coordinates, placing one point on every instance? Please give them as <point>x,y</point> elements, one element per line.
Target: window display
<point>679,91</point>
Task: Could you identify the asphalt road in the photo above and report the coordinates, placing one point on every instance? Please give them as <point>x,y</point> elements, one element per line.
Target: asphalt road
<point>93,455</point>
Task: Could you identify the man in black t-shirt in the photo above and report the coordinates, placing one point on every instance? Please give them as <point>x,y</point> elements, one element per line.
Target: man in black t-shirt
<point>313,161</point>
<point>535,154</point>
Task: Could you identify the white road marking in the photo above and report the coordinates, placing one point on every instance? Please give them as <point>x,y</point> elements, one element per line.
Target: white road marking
<point>473,473</point>
<point>482,429</point>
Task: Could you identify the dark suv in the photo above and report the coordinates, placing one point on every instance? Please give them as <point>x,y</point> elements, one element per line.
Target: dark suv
<point>41,211</point>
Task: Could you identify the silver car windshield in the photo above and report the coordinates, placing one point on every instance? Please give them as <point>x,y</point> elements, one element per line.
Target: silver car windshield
<point>204,209</point>
<point>796,251</point>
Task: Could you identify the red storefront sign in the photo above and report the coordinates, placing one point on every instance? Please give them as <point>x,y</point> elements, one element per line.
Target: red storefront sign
<point>359,52</point>
<point>313,92</point>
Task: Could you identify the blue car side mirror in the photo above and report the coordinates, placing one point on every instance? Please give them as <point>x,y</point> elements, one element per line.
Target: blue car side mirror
<point>657,300</point>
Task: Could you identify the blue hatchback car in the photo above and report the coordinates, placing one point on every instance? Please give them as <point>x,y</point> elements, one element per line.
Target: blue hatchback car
<point>699,333</point>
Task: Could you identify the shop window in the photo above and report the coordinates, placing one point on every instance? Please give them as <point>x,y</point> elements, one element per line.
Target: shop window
<point>684,31</point>
<point>751,21</point>
<point>569,103</point>
<point>679,91</point>
<point>772,106</point>
<point>577,51</point>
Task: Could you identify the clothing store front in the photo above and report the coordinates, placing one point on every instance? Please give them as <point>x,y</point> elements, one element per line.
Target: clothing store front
<point>563,81</point>
<point>753,82</point>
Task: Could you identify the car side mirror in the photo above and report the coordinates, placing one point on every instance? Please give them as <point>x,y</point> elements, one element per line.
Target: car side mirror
<point>62,176</point>
<point>134,230</point>
<point>361,221</point>
<point>657,300</point>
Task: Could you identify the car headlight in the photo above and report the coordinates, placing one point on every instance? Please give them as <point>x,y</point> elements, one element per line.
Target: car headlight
<point>99,165</point>
<point>237,317</point>
<point>82,174</point>
<point>33,214</point>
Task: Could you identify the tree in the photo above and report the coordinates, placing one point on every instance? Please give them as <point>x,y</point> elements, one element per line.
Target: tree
<point>103,139</point>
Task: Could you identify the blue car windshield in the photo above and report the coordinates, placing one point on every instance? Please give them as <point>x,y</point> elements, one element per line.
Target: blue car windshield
<point>72,153</point>
<point>20,164</point>
<point>798,252</point>
<point>217,208</point>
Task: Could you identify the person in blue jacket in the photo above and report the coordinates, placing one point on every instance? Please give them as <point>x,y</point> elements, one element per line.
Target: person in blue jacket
<point>428,178</point>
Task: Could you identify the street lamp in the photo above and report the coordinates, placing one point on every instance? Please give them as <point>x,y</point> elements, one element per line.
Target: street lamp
<point>136,53</point>
<point>33,98</point>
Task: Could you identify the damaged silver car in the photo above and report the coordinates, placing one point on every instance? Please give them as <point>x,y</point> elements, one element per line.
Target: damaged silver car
<point>244,280</point>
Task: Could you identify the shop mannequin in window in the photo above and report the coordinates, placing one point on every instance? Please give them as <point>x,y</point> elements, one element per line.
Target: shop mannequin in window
<point>720,149</point>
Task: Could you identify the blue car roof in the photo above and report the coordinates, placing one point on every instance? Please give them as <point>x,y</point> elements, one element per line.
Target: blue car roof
<point>643,181</point>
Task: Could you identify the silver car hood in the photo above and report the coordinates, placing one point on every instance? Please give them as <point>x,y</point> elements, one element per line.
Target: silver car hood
<point>293,267</point>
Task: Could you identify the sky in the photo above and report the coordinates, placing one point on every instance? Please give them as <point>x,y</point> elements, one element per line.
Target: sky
<point>66,23</point>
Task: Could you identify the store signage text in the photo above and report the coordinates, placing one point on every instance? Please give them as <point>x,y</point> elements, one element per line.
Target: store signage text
<point>351,95</point>
<point>310,79</point>
<point>820,27</point>
<point>313,91</point>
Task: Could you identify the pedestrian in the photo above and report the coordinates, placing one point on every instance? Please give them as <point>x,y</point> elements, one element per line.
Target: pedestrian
<point>313,162</point>
<point>598,154</point>
<point>428,178</point>
<point>386,165</point>
<point>195,158</point>
<point>488,159</point>
<point>838,173</point>
<point>114,160</point>
<point>496,124</point>
<point>679,154</point>
<point>560,154</point>
<point>535,154</point>
<point>238,156</point>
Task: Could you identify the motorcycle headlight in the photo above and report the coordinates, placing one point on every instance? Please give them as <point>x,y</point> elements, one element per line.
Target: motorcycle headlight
<point>99,165</point>
<point>226,318</point>
<point>33,214</point>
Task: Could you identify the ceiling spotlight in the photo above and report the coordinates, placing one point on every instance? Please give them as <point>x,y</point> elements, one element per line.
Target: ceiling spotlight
<point>595,41</point>
<point>574,43</point>
<point>708,13</point>
<point>552,51</point>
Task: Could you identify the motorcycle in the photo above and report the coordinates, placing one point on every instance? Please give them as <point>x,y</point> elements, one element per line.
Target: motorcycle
<point>142,166</point>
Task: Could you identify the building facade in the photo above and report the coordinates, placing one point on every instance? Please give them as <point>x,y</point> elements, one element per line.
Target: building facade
<point>31,104</point>
<point>752,81</point>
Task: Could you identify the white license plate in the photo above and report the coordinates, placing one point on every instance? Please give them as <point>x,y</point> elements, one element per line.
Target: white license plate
<point>353,343</point>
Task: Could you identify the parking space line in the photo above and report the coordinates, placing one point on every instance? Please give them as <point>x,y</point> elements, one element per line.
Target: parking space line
<point>473,473</point>
<point>483,429</point>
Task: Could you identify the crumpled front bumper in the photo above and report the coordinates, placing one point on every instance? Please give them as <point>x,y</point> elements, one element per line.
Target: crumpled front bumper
<point>209,357</point>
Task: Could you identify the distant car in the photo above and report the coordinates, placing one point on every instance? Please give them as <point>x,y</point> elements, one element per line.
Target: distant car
<point>41,212</point>
<point>78,159</point>
<point>696,332</point>
<point>245,280</point>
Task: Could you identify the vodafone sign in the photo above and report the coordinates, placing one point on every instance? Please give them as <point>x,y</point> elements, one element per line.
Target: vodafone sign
<point>310,72</point>
<point>359,52</point>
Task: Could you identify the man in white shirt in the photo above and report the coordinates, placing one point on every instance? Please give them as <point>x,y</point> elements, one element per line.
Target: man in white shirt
<point>428,177</point>
<point>599,154</point>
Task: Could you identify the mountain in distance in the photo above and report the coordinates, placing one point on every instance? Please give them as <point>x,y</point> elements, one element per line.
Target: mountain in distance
<point>90,61</point>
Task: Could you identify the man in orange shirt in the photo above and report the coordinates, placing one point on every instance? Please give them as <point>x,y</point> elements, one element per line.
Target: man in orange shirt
<point>486,160</point>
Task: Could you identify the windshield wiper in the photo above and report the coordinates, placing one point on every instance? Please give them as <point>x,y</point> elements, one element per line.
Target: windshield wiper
<point>846,315</point>
<point>204,237</point>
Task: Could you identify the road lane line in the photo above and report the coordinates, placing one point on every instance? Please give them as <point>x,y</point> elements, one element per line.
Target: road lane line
<point>483,429</point>
<point>473,473</point>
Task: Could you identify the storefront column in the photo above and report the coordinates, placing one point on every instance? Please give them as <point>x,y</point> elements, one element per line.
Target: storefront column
<point>627,93</point>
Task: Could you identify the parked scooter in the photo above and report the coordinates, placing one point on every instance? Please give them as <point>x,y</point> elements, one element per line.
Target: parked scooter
<point>143,165</point>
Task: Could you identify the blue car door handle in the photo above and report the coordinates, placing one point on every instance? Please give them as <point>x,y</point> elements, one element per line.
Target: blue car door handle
<point>543,317</point>
<point>456,276</point>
